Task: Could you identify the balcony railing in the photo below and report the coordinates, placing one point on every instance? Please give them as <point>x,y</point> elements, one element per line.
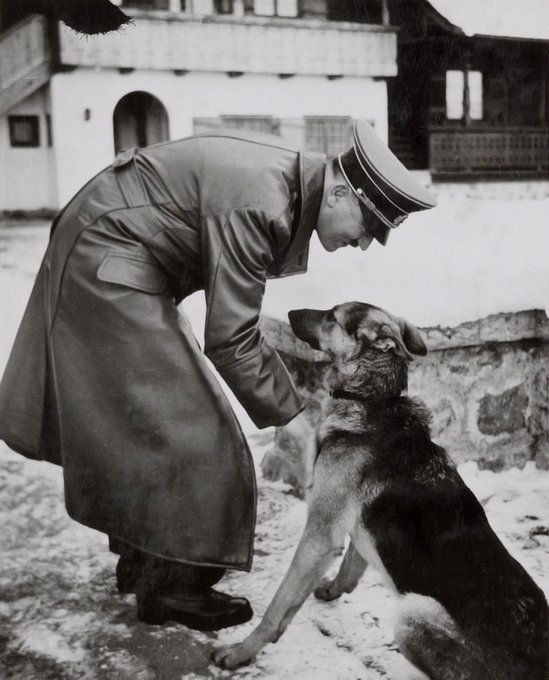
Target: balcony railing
<point>166,41</point>
<point>24,61</point>
<point>489,151</point>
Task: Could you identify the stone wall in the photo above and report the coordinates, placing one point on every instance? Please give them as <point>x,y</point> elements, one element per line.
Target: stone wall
<point>500,190</point>
<point>486,383</point>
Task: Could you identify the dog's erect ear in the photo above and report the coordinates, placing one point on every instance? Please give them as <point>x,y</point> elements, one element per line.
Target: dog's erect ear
<point>398,336</point>
<point>388,344</point>
<point>392,341</point>
<point>386,337</point>
<point>412,337</point>
<point>377,328</point>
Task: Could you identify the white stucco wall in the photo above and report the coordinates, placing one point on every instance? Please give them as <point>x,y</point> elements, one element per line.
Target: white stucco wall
<point>483,250</point>
<point>83,147</point>
<point>27,174</point>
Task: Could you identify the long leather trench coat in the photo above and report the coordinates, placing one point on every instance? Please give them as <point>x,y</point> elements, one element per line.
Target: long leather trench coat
<point>106,378</point>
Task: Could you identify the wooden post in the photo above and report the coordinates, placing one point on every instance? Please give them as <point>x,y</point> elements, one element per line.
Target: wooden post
<point>466,94</point>
<point>543,101</point>
<point>385,18</point>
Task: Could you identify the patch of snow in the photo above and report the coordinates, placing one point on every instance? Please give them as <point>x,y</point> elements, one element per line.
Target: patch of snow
<point>41,639</point>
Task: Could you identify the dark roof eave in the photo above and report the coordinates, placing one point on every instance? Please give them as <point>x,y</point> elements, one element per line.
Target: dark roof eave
<point>441,20</point>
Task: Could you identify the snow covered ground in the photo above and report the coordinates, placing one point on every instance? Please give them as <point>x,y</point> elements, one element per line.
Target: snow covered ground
<point>60,615</point>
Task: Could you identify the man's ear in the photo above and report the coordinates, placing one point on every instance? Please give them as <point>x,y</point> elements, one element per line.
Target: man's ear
<point>336,192</point>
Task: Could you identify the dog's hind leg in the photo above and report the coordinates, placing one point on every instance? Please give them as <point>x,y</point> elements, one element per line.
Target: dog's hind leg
<point>430,639</point>
<point>350,571</point>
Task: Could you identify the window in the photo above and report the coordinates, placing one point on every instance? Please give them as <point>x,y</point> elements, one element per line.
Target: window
<point>276,8</point>
<point>455,90</point>
<point>361,11</point>
<point>266,8</point>
<point>328,135</point>
<point>224,6</point>
<point>24,130</point>
<point>147,4</point>
<point>257,123</point>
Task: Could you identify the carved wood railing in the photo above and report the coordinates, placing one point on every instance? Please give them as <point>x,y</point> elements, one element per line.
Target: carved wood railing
<point>489,151</point>
<point>237,45</point>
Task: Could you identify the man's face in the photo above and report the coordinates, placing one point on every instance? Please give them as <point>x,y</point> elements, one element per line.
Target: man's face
<point>341,222</point>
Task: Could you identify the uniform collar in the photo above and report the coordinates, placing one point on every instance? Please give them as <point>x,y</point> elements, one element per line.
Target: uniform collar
<point>312,168</point>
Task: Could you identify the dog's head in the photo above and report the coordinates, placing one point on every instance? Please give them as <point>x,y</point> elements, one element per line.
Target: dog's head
<point>370,348</point>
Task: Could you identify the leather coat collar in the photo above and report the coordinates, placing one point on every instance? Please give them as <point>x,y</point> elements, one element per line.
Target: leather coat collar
<point>312,168</point>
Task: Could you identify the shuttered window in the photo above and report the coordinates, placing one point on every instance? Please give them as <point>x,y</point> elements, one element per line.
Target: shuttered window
<point>276,8</point>
<point>329,135</point>
<point>266,124</point>
<point>455,89</point>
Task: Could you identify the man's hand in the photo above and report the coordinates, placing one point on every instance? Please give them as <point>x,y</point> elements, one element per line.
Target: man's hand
<point>303,436</point>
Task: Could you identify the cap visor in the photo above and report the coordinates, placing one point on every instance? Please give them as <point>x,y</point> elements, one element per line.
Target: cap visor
<point>374,226</point>
<point>383,235</point>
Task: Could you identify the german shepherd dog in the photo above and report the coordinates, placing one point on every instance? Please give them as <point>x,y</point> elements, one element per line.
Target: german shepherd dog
<point>466,610</point>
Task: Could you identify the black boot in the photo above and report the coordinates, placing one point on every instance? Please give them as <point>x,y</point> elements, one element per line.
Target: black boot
<point>128,572</point>
<point>206,610</point>
<point>129,566</point>
<point>172,591</point>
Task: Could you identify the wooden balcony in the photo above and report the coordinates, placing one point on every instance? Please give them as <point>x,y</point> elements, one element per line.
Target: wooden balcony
<point>167,41</point>
<point>489,151</point>
<point>25,61</point>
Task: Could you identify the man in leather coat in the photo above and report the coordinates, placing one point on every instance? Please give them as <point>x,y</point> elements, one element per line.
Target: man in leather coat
<point>106,379</point>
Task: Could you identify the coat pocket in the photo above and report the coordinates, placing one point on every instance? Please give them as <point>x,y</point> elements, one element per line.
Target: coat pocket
<point>132,272</point>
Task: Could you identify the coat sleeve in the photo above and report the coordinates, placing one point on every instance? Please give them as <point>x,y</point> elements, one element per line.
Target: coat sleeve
<point>236,251</point>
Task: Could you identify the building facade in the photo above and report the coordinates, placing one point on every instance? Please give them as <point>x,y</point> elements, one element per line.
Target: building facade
<point>471,98</point>
<point>301,69</point>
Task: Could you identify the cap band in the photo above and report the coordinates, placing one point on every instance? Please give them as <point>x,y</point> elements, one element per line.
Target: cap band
<point>359,193</point>
<point>370,177</point>
<point>358,149</point>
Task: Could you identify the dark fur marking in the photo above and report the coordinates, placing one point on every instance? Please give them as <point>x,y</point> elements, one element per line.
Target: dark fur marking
<point>430,531</point>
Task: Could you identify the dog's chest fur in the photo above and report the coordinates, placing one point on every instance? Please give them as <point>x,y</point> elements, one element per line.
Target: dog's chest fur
<point>382,442</point>
<point>402,482</point>
<point>416,521</point>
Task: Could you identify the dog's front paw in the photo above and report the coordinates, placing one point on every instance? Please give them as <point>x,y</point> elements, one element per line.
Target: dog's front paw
<point>233,656</point>
<point>328,590</point>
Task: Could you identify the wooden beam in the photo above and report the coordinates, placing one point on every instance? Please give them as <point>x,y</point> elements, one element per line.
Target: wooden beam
<point>24,87</point>
<point>385,18</point>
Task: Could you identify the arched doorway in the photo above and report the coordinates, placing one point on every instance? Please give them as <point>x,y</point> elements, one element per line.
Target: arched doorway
<point>139,119</point>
